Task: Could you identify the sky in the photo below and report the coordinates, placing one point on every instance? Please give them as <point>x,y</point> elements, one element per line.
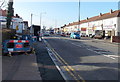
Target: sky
<point>56,14</point>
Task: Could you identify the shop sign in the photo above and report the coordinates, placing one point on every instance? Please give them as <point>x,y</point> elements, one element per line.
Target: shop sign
<point>109,27</point>
<point>83,29</point>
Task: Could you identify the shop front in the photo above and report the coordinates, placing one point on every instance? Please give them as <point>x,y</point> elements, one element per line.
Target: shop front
<point>109,31</point>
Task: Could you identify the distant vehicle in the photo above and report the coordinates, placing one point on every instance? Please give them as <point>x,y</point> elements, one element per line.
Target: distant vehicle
<point>46,34</point>
<point>75,35</point>
<point>83,35</point>
<point>63,34</point>
<point>51,31</point>
<point>36,31</point>
<point>26,37</point>
<point>91,35</point>
<point>98,36</point>
<point>12,46</point>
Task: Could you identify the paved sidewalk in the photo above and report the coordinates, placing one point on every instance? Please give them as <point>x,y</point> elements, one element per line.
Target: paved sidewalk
<point>106,41</point>
<point>20,67</point>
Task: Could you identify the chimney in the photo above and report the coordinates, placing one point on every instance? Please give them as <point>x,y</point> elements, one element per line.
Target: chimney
<point>10,0</point>
<point>87,18</point>
<point>111,11</point>
<point>100,14</point>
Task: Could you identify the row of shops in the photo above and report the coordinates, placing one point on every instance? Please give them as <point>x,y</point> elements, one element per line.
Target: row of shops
<point>106,24</point>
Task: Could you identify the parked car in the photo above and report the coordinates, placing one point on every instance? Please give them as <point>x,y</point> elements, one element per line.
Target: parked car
<point>83,35</point>
<point>63,34</point>
<point>75,35</point>
<point>46,34</point>
<point>12,46</point>
<point>91,35</point>
<point>98,36</point>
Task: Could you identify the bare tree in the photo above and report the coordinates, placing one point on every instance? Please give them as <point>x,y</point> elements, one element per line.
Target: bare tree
<point>3,4</point>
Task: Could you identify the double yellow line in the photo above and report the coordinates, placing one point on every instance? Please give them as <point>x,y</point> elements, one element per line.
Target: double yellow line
<point>67,67</point>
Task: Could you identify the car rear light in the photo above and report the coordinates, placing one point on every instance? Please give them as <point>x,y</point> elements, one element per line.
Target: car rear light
<point>11,41</point>
<point>18,41</point>
<point>18,46</point>
<point>26,41</point>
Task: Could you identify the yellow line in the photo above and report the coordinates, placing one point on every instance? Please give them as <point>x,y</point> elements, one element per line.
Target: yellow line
<point>68,68</point>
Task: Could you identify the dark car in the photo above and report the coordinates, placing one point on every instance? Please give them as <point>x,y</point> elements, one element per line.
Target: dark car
<point>63,34</point>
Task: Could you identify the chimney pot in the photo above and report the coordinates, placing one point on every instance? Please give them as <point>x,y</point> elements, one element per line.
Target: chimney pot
<point>100,14</point>
<point>111,11</point>
<point>87,18</point>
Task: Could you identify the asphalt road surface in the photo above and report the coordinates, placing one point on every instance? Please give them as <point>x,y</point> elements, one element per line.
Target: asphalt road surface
<point>47,68</point>
<point>85,59</point>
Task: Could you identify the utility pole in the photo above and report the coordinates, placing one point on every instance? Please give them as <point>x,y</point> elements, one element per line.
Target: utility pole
<point>31,29</point>
<point>41,19</point>
<point>79,15</point>
<point>31,18</point>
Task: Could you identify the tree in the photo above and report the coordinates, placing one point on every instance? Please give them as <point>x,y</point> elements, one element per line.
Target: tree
<point>10,13</point>
<point>2,4</point>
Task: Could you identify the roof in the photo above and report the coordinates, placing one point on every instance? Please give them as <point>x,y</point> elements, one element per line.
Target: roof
<point>3,12</point>
<point>99,17</point>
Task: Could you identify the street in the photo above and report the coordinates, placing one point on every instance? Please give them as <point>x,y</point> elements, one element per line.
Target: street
<point>84,59</point>
<point>59,40</point>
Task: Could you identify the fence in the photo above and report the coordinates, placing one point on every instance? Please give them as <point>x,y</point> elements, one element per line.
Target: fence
<point>116,39</point>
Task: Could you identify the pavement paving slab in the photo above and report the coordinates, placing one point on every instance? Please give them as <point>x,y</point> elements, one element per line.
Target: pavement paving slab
<point>20,67</point>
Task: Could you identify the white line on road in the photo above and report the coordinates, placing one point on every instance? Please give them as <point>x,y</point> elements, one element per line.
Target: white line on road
<point>97,52</point>
<point>53,59</point>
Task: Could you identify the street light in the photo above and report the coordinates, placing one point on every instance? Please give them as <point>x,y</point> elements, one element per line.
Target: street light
<point>79,17</point>
<point>31,23</point>
<point>41,19</point>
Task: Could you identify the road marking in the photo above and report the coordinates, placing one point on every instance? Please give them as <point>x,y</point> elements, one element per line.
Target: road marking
<point>67,67</point>
<point>56,64</point>
<point>98,52</point>
<point>109,57</point>
<point>112,57</point>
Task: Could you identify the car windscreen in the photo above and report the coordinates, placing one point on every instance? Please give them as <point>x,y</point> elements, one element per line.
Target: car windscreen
<point>76,33</point>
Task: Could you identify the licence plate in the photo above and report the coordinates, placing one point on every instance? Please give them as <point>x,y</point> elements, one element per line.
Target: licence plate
<point>10,49</point>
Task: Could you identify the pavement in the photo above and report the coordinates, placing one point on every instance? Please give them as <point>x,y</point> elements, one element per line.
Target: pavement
<point>20,67</point>
<point>106,41</point>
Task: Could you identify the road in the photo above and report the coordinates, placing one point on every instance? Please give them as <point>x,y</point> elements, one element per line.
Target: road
<point>84,59</point>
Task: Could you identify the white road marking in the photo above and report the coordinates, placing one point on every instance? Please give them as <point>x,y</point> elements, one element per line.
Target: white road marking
<point>98,52</point>
<point>53,59</point>
<point>109,56</point>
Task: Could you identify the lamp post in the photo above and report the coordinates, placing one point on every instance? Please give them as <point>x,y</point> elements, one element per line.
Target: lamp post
<point>31,24</point>
<point>79,17</point>
<point>41,19</point>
